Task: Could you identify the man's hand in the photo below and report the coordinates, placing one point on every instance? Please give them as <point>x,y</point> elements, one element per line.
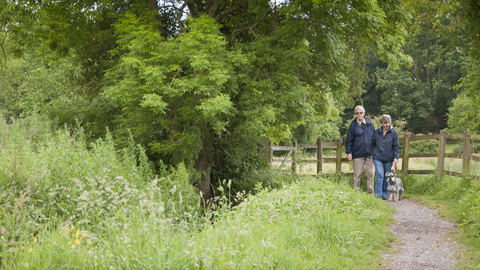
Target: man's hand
<point>349,157</point>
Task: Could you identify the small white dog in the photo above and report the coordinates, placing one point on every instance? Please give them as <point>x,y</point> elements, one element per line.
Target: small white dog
<point>395,187</point>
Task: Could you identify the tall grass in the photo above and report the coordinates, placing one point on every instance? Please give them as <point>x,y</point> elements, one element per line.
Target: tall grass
<point>52,180</point>
<point>307,225</point>
<point>65,205</point>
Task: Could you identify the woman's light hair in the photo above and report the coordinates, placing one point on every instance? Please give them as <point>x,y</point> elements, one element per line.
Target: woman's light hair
<point>385,119</point>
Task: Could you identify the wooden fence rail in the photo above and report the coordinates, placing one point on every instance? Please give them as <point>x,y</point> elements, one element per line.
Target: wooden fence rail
<point>441,154</point>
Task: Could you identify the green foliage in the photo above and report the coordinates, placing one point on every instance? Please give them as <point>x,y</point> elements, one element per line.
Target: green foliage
<point>420,93</point>
<point>175,82</point>
<point>461,117</point>
<point>425,146</point>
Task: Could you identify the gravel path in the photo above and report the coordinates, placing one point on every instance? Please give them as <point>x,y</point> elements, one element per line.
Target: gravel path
<point>423,239</point>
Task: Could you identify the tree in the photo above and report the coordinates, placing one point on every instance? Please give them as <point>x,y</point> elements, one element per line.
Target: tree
<point>461,117</point>
<point>423,92</point>
<point>463,29</point>
<point>179,74</point>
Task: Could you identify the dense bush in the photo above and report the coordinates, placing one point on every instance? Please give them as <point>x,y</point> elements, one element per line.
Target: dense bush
<point>425,146</point>
<point>475,148</point>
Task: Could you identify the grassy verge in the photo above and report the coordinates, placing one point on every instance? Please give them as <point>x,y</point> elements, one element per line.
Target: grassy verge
<point>311,224</point>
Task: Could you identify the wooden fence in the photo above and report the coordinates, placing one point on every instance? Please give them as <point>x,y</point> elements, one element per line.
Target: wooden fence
<point>466,155</point>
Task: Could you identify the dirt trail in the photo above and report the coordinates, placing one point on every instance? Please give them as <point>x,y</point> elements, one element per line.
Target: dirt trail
<point>424,240</point>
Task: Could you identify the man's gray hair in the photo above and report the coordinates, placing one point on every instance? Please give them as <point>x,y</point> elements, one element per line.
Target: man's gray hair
<point>385,119</point>
<point>359,107</point>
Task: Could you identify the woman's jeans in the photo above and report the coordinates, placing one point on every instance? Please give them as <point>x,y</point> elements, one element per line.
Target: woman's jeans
<point>381,183</point>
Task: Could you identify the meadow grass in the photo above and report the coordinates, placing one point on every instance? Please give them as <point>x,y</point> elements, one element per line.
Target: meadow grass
<point>311,224</point>
<point>68,205</point>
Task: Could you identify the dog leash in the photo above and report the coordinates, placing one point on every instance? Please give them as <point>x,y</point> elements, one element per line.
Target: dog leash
<point>396,170</point>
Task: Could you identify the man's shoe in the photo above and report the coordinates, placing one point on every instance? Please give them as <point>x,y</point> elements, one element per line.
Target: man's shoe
<point>384,198</point>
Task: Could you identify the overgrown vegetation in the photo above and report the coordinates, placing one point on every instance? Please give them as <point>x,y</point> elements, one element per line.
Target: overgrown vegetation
<point>66,204</point>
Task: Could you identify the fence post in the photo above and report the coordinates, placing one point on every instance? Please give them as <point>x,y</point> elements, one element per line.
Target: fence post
<point>406,152</point>
<point>466,152</point>
<point>294,157</point>
<point>339,155</point>
<point>319,155</point>
<point>441,152</point>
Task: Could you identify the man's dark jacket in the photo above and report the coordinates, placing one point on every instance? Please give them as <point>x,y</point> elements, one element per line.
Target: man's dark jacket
<point>358,139</point>
<point>385,148</point>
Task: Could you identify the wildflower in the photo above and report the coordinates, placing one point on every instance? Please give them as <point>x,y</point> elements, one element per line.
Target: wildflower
<point>78,233</point>
<point>464,213</point>
<point>35,240</point>
<point>30,250</point>
<point>84,234</point>
<point>77,241</point>
<point>69,243</point>
<point>23,247</point>
<point>73,246</point>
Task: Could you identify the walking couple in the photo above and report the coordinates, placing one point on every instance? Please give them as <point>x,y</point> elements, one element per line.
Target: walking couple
<point>372,149</point>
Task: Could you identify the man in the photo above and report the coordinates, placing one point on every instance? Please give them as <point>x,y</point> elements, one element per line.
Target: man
<point>357,145</point>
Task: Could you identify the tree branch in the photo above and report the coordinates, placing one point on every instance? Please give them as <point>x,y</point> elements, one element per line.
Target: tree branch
<point>251,27</point>
<point>179,16</point>
<point>153,5</point>
<point>230,10</point>
<point>210,10</point>
<point>193,8</point>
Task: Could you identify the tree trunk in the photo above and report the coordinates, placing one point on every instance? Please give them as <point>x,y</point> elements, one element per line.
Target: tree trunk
<point>203,167</point>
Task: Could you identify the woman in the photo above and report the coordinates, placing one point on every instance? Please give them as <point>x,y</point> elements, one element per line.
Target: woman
<point>384,149</point>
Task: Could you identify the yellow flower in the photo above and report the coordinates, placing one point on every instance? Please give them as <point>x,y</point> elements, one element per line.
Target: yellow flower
<point>78,233</point>
<point>23,247</point>
<point>84,234</point>
<point>35,240</point>
<point>464,213</point>
<point>89,242</point>
<point>73,246</point>
<point>77,241</point>
<point>30,250</point>
<point>69,243</point>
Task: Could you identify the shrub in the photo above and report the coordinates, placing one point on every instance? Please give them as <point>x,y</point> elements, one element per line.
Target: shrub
<point>425,146</point>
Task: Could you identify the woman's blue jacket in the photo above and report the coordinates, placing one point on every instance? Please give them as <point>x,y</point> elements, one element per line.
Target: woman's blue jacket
<point>385,148</point>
